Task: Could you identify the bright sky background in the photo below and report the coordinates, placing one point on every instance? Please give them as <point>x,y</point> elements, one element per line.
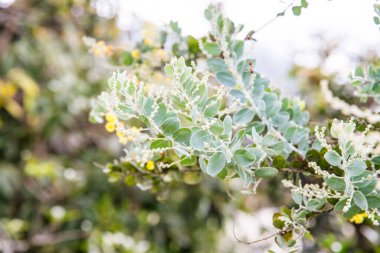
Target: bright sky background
<point>287,40</point>
<point>348,21</point>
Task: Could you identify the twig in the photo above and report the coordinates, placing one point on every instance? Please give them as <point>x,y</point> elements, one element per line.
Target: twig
<point>280,14</point>
<point>252,242</point>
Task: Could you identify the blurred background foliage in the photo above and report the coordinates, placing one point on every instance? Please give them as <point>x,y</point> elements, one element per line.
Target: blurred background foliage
<point>54,196</point>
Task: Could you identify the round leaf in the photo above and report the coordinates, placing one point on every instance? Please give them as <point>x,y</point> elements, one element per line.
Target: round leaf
<point>225,79</point>
<point>333,158</point>
<point>243,157</point>
<point>199,138</point>
<point>360,200</point>
<point>266,172</point>
<point>216,164</point>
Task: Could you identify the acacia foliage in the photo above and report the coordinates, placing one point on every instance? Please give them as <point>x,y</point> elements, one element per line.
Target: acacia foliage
<point>227,121</point>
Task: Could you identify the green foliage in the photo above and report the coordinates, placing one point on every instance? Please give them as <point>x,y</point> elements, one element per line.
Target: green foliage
<point>239,127</point>
<point>298,8</point>
<point>376,19</point>
<point>366,82</point>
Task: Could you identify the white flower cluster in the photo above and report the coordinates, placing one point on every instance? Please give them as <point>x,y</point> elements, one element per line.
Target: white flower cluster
<point>347,109</point>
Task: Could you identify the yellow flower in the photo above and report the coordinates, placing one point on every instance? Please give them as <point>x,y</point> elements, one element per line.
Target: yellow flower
<point>161,53</point>
<point>149,165</point>
<point>110,127</point>
<point>148,42</point>
<point>135,54</point>
<point>123,140</point>
<point>358,218</point>
<point>111,118</point>
<point>101,48</point>
<point>120,134</point>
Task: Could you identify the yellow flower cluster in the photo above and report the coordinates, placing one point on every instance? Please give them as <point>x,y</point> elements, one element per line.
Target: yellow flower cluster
<point>112,125</point>
<point>161,53</point>
<point>135,54</point>
<point>358,218</point>
<point>130,136</point>
<point>111,122</point>
<point>149,165</point>
<point>101,49</point>
<point>149,36</point>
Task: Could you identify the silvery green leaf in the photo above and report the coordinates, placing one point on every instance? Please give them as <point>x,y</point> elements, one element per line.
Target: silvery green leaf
<point>365,182</point>
<point>278,146</point>
<point>258,153</point>
<point>159,117</point>
<point>273,109</point>
<point>258,92</point>
<point>336,183</point>
<point>148,106</point>
<point>340,205</point>
<point>182,135</point>
<point>200,94</point>
<point>243,157</point>
<point>238,94</point>
<point>258,126</point>
<point>255,136</point>
<point>180,104</point>
<point>217,127</point>
<point>301,133</point>
<point>297,197</point>
<point>227,123</point>
<point>359,71</point>
<point>180,63</point>
<point>188,160</point>
<point>237,140</point>
<point>360,200</point>
<point>169,70</point>
<point>212,48</point>
<point>316,145</point>
<point>226,79</point>
<point>373,201</point>
<point>194,114</point>
<point>216,65</point>
<point>291,133</point>
<point>238,48</point>
<point>187,82</point>
<point>202,165</point>
<point>243,116</point>
<point>265,172</point>
<point>216,164</point>
<point>370,187</point>
<point>315,204</point>
<point>170,125</point>
<point>356,167</point>
<point>333,158</point>
<point>280,118</point>
<point>354,209</point>
<point>160,143</point>
<point>245,176</point>
<point>269,99</point>
<point>246,76</point>
<point>269,140</point>
<point>270,152</point>
<point>211,107</point>
<point>199,138</point>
